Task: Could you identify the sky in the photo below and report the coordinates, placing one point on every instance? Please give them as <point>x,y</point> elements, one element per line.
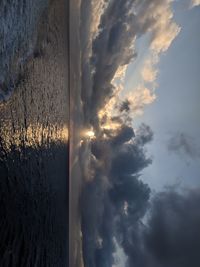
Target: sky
<point>140,94</point>
<point>176,109</point>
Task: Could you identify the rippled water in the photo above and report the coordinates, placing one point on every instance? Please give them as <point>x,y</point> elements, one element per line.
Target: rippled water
<point>33,133</point>
<point>18,34</point>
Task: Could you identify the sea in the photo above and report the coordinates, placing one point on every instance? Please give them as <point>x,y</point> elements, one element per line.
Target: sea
<point>34,131</point>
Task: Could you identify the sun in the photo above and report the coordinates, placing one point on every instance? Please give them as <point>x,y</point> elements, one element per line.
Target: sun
<point>90,134</point>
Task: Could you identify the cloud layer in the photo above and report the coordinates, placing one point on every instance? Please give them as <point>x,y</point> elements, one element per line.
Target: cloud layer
<point>112,48</point>
<point>114,200</point>
<point>172,237</point>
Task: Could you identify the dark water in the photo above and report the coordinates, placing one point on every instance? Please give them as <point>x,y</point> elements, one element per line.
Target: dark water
<point>34,133</point>
<point>19,20</point>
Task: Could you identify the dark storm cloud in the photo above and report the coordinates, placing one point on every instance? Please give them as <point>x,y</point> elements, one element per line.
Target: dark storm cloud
<point>114,199</point>
<point>116,183</point>
<point>172,237</point>
<point>130,159</point>
<point>183,144</point>
<point>121,157</point>
<point>125,134</point>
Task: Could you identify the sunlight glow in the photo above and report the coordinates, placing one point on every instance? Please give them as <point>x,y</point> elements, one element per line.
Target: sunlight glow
<point>90,134</point>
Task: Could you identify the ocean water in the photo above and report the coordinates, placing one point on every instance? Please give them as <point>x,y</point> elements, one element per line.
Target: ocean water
<point>18,36</point>
<point>34,115</point>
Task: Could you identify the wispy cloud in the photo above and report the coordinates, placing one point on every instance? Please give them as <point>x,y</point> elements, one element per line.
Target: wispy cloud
<point>195,3</point>
<point>149,72</point>
<point>183,144</point>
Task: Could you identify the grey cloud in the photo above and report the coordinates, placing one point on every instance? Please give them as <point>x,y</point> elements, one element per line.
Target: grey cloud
<point>92,209</point>
<point>125,106</point>
<point>116,182</point>
<point>130,159</point>
<point>111,49</point>
<point>144,134</point>
<point>120,24</point>
<point>124,135</point>
<point>183,144</point>
<point>85,21</point>
<point>114,202</point>
<point>173,235</point>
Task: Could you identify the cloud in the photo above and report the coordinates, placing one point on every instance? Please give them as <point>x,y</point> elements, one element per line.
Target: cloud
<point>137,100</point>
<point>172,237</point>
<point>114,200</point>
<point>112,46</point>
<point>183,144</point>
<point>195,3</point>
<point>118,161</point>
<point>149,71</point>
<point>125,134</point>
<point>156,17</point>
<point>124,109</point>
<point>119,256</point>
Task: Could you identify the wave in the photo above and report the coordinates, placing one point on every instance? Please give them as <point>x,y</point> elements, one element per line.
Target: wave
<point>19,21</point>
